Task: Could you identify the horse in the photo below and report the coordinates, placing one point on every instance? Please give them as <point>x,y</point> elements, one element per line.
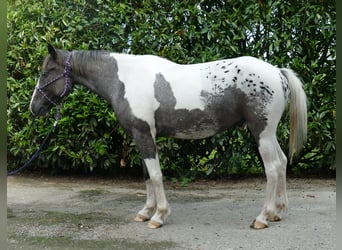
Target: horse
<point>152,96</point>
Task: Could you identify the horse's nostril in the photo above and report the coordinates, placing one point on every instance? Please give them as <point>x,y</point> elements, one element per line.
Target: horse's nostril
<point>33,112</point>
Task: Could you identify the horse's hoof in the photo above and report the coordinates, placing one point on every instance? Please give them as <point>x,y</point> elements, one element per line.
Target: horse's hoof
<point>140,218</point>
<point>258,225</point>
<point>153,224</point>
<point>276,218</point>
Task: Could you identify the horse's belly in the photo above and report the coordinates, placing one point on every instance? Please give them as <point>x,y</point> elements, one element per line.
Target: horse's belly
<point>194,133</point>
<point>187,125</point>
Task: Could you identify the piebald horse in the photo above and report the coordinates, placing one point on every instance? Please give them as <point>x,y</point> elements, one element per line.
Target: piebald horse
<point>152,96</point>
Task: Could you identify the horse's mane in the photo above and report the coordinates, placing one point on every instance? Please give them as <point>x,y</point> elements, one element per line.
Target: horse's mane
<point>84,59</point>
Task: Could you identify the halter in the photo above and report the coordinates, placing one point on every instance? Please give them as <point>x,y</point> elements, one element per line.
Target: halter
<point>67,86</point>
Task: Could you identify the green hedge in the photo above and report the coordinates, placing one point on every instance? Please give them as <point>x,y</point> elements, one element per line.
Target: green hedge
<point>300,35</point>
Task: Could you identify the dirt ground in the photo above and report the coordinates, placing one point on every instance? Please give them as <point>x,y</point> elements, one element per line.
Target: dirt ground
<point>70,213</point>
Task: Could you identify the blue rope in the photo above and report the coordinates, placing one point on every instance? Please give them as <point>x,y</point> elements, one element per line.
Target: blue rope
<point>34,156</point>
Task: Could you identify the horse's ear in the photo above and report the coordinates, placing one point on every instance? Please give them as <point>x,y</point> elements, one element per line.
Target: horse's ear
<point>52,51</point>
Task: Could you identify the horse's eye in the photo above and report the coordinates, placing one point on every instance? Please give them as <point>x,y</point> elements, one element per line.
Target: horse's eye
<point>43,74</point>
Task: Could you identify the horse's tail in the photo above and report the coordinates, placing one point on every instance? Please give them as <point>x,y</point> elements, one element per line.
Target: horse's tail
<point>298,114</point>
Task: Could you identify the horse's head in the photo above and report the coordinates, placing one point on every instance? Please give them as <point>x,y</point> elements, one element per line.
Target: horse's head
<point>54,82</point>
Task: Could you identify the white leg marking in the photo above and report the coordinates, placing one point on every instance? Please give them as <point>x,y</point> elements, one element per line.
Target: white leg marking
<point>150,206</point>
<point>273,162</point>
<point>163,208</point>
<point>281,200</point>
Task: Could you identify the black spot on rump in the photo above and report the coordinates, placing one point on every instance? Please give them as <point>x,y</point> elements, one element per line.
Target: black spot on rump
<point>266,89</point>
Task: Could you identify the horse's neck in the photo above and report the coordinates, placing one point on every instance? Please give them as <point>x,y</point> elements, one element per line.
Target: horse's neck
<point>96,71</point>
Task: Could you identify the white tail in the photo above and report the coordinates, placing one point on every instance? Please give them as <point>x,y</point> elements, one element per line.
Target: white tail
<point>298,114</point>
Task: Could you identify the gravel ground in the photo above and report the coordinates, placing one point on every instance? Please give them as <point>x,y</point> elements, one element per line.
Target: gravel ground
<point>71,213</point>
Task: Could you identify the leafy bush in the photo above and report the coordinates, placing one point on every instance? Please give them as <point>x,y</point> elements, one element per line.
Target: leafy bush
<point>299,35</point>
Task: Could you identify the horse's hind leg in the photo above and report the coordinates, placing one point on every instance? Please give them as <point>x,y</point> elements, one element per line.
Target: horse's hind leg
<point>281,199</point>
<point>275,167</point>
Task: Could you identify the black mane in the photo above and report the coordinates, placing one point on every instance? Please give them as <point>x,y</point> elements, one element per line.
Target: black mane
<point>83,60</point>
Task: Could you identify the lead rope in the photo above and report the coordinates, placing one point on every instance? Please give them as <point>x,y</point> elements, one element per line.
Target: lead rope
<point>34,156</point>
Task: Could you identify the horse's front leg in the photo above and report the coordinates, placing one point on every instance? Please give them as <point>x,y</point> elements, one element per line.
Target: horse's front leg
<point>156,200</point>
<point>146,213</point>
<point>163,209</point>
